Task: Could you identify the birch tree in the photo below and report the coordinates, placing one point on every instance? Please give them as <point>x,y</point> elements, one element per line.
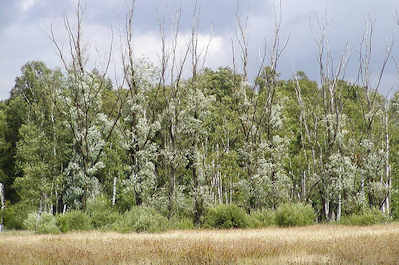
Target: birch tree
<point>260,119</point>
<point>42,146</point>
<point>138,129</point>
<point>80,103</point>
<point>2,202</point>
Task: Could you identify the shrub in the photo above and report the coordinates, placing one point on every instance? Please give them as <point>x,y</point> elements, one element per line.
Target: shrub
<point>294,214</point>
<point>367,217</point>
<point>101,213</point>
<point>182,223</point>
<point>32,221</point>
<point>141,219</point>
<point>395,204</point>
<point>263,218</point>
<point>125,200</point>
<point>226,216</point>
<point>395,214</point>
<point>44,224</point>
<point>15,215</point>
<point>74,221</point>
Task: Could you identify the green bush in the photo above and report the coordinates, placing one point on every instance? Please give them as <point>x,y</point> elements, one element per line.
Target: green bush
<point>263,218</point>
<point>141,219</point>
<point>395,204</point>
<point>395,214</point>
<point>74,221</point>
<point>125,201</point>
<point>181,223</point>
<point>101,213</point>
<point>15,215</point>
<point>226,216</point>
<point>294,214</point>
<point>43,224</point>
<point>367,217</point>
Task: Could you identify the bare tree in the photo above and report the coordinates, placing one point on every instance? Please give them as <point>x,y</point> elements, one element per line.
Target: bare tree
<point>259,108</point>
<point>370,102</point>
<point>80,101</point>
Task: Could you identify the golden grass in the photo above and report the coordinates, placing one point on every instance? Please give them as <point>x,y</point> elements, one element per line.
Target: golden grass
<point>319,244</point>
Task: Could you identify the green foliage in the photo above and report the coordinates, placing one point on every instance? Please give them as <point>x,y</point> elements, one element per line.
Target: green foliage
<point>190,144</point>
<point>141,219</point>
<point>367,217</point>
<point>44,223</point>
<point>294,214</point>
<point>181,223</point>
<point>263,218</point>
<point>15,215</point>
<point>124,202</point>
<point>74,221</point>
<point>395,205</point>
<point>225,217</point>
<point>101,213</point>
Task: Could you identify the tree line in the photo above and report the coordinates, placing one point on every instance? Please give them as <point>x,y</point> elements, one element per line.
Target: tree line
<point>182,143</point>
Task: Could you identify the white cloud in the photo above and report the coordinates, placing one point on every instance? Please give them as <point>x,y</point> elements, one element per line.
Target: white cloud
<point>25,42</point>
<point>214,48</point>
<point>97,41</point>
<point>27,4</point>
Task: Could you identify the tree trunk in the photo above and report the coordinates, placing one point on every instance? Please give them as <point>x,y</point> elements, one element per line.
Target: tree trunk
<point>386,205</point>
<point>114,192</point>
<point>339,210</point>
<point>198,202</point>
<point>304,186</point>
<point>2,206</point>
<point>171,193</point>
<point>327,209</point>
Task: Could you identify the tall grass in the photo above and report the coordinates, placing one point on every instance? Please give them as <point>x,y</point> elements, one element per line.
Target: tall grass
<point>320,244</point>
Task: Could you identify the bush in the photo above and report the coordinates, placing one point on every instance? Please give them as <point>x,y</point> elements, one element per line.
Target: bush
<point>141,219</point>
<point>294,214</point>
<point>15,215</point>
<point>263,218</point>
<point>182,223</point>
<point>367,217</point>
<point>73,221</point>
<point>44,224</point>
<point>395,204</point>
<point>226,216</point>
<point>101,213</point>
<point>125,201</point>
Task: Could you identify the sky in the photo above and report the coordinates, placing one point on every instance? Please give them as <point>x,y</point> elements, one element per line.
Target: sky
<point>25,27</point>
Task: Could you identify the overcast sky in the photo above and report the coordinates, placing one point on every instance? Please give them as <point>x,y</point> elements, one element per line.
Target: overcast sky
<point>25,27</point>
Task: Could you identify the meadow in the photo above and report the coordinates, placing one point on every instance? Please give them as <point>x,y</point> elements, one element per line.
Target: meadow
<point>317,244</point>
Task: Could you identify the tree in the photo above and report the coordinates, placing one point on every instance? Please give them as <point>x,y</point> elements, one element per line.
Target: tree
<point>40,150</point>
<point>80,104</point>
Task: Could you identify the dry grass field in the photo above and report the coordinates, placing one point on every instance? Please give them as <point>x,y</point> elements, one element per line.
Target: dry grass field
<point>319,244</point>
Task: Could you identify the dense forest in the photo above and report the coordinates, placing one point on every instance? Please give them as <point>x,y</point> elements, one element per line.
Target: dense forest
<point>180,144</point>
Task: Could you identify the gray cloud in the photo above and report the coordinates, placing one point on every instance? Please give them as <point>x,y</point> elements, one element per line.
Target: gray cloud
<point>9,12</point>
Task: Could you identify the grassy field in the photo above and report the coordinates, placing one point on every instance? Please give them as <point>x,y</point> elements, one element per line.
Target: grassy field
<point>319,244</point>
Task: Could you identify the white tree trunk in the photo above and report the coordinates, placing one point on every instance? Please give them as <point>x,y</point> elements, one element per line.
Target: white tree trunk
<point>220,189</point>
<point>327,209</point>
<point>2,205</point>
<point>388,201</point>
<point>114,192</point>
<point>339,210</point>
<point>386,205</point>
<point>304,186</point>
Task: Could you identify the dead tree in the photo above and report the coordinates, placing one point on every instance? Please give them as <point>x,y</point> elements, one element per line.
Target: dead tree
<point>79,101</point>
